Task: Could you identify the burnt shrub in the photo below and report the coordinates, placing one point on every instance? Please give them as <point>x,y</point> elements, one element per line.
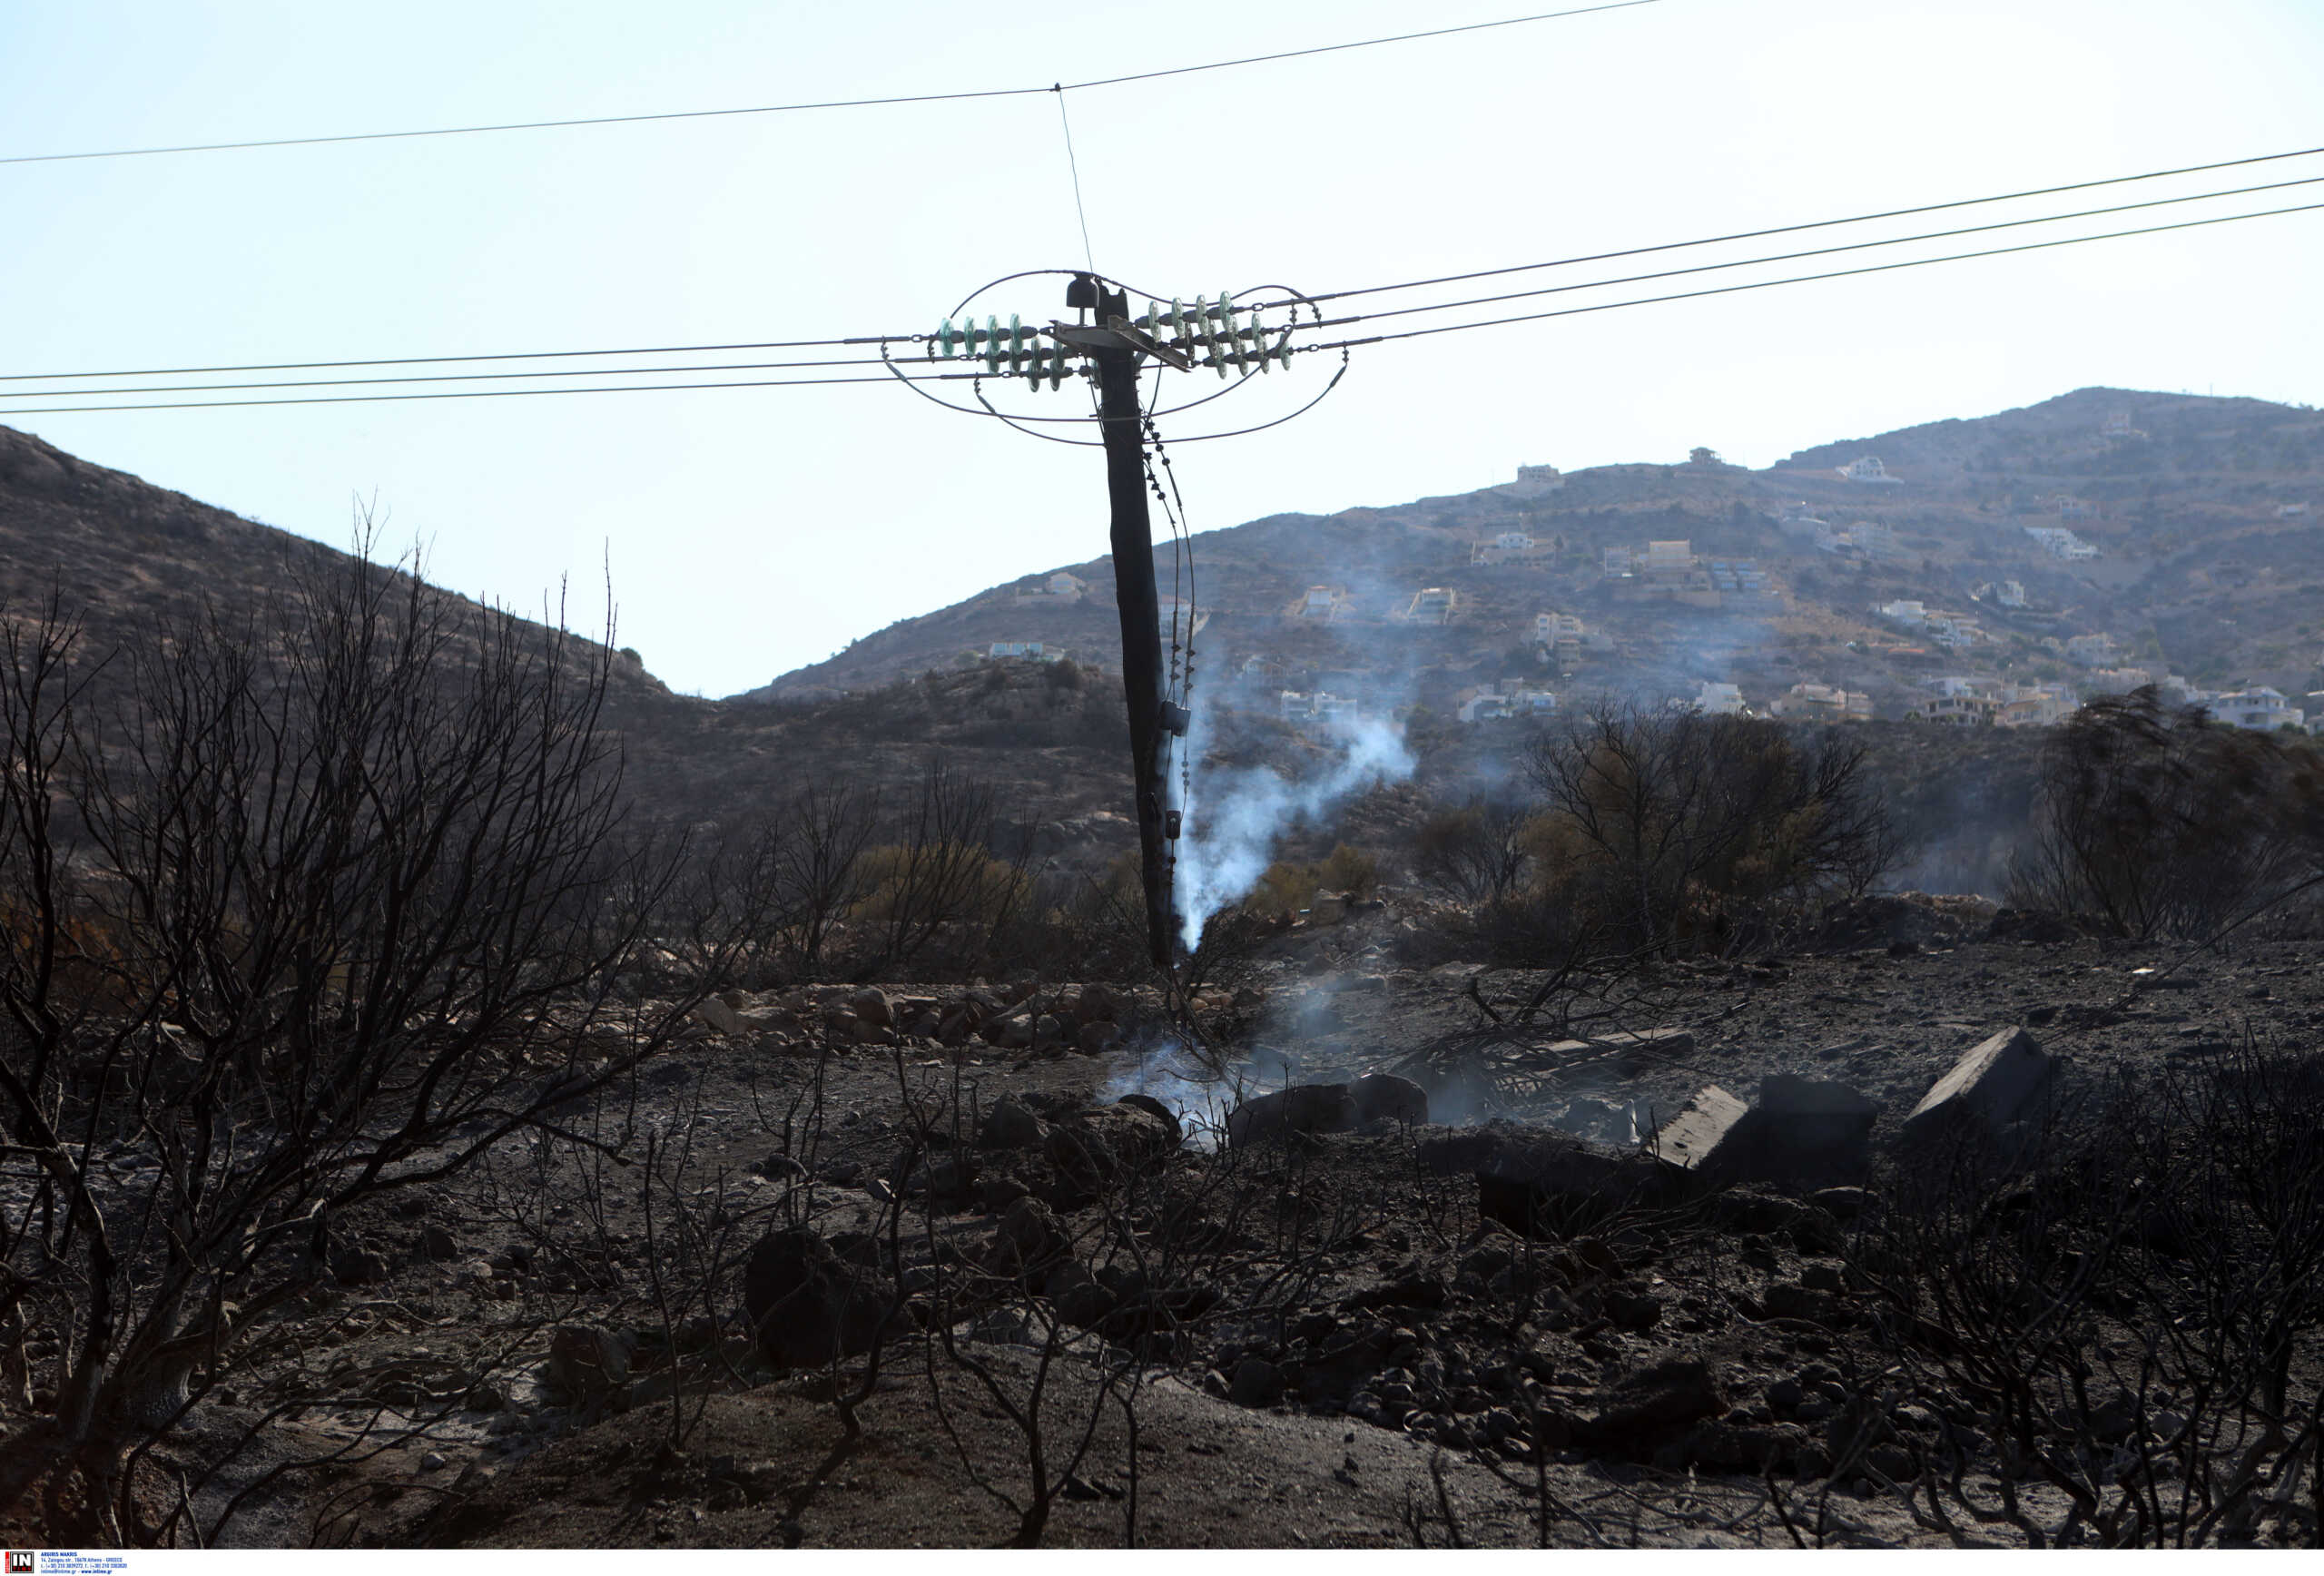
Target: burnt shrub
<point>2151,820</point>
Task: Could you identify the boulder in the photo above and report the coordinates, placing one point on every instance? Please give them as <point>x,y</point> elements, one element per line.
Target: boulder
<point>1097,1004</point>
<point>357,1267</point>
<point>586,1361</point>
<point>2000,1080</point>
<point>1541,1183</point>
<point>871,1005</point>
<point>1156,1109</point>
<point>1028,1240</point>
<point>1301,1108</point>
<point>1256,1382</point>
<point>717,1015</point>
<point>1384,1096</point>
<point>1092,1039</point>
<point>1080,1298</point>
<point>437,1243</point>
<point>1010,1124</point>
<point>1650,1407</point>
<point>807,1304</point>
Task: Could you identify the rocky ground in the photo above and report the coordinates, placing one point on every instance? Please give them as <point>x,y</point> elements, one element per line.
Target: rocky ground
<point>1354,1327</point>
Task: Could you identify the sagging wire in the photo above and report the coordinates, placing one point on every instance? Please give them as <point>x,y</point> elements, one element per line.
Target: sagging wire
<point>1179,690</point>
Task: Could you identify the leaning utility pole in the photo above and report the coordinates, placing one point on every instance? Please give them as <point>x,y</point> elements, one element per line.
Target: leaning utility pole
<point>1136,599</point>
<point>1218,335</point>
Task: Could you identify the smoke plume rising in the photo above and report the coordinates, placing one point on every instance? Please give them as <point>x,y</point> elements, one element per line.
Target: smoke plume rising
<point>1233,817</point>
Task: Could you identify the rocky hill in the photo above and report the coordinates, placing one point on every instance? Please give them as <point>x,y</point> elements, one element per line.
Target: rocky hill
<point>2202,519</point>
<point>2206,517</point>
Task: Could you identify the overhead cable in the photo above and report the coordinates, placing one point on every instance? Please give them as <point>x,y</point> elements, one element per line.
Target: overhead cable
<point>924,98</point>
<point>1809,278</point>
<point>1812,224</point>
<point>489,393</point>
<point>1818,251</point>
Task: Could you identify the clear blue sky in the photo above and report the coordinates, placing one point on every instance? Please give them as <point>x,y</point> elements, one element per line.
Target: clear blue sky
<point>749,532</point>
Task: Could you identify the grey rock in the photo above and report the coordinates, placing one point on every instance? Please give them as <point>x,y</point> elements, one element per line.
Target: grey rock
<point>1010,1124</point>
<point>808,1305</point>
<point>356,1267</point>
<point>1256,1382</point>
<point>717,1015</point>
<point>1301,1108</point>
<point>1384,1096</point>
<point>586,1361</point>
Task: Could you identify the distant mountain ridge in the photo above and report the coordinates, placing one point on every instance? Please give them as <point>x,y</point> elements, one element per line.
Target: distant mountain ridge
<point>2205,561</point>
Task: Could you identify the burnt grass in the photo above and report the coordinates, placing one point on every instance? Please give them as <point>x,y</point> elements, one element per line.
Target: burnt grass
<point>1318,1342</point>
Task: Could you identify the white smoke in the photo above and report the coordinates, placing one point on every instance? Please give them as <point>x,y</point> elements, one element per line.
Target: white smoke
<point>1232,818</point>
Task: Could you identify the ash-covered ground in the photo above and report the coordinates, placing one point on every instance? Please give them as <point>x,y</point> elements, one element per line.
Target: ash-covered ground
<point>899,1267</point>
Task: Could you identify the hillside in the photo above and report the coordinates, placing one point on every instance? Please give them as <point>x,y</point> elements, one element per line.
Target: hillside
<point>2206,567</point>
<point>2206,515</point>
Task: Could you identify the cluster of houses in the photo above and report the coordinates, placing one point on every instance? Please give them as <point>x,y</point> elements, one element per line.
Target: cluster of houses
<point>1661,569</point>
<point>1317,707</point>
<point>1868,472</point>
<point>1432,604</point>
<point>1505,699</point>
<point>1520,548</point>
<point>1057,590</point>
<point>1029,650</point>
<point>1814,703</point>
<point>1964,701</point>
<point>1960,699</point>
<point>1956,631</point>
<point>1861,540</point>
<point>2059,542</point>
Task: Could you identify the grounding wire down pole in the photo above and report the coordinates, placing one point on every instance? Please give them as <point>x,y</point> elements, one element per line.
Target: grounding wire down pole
<point>1136,600</point>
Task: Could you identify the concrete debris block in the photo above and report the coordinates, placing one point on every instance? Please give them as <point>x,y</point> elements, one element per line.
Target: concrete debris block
<point>1785,1094</point>
<point>1653,1041</point>
<point>1802,1129</point>
<point>717,1015</point>
<point>1691,1140</point>
<point>1382,1096</point>
<point>1301,1108</point>
<point>2000,1080</point>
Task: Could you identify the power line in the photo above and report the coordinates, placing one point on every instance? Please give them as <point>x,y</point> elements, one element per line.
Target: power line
<point>1820,252</point>
<point>442,378</point>
<point>488,393</point>
<point>448,360</point>
<point>1813,225</point>
<point>924,98</point>
<point>1809,278</point>
<point>893,372</point>
<point>870,339</point>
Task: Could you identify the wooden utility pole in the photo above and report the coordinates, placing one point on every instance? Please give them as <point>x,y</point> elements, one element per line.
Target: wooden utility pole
<point>1136,600</point>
